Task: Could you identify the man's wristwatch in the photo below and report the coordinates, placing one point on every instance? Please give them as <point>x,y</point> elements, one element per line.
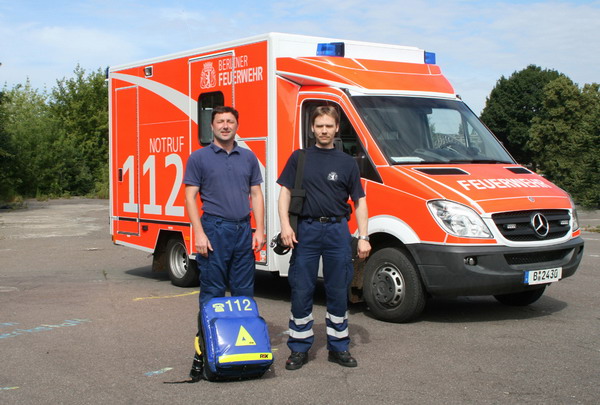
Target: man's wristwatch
<point>364,238</point>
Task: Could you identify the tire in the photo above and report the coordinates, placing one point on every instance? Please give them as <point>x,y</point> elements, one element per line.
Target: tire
<point>521,299</point>
<point>392,287</point>
<point>182,270</point>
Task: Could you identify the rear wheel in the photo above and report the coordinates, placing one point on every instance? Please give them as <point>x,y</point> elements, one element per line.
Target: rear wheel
<point>182,270</point>
<point>521,299</point>
<point>392,287</point>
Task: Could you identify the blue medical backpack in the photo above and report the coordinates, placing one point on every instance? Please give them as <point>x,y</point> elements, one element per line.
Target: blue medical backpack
<point>236,339</point>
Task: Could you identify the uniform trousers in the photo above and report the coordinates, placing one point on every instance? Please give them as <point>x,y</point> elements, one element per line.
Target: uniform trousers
<point>231,263</point>
<point>329,241</point>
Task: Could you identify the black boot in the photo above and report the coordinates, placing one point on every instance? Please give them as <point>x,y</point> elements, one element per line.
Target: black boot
<point>296,360</point>
<point>342,358</point>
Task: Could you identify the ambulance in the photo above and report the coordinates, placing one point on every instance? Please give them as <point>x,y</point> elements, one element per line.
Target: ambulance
<point>450,211</point>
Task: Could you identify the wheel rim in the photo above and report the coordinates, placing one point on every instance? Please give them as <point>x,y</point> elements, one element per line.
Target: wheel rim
<point>178,262</point>
<point>388,285</point>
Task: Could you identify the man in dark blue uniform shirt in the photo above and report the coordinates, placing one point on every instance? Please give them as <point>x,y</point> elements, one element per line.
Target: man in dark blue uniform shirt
<point>330,178</point>
<point>228,178</point>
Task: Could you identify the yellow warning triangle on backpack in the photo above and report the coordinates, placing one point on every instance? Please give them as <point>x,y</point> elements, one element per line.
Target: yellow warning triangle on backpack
<point>244,338</point>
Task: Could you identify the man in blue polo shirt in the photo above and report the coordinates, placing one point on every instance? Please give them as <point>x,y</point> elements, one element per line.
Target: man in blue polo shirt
<point>330,177</point>
<point>228,179</point>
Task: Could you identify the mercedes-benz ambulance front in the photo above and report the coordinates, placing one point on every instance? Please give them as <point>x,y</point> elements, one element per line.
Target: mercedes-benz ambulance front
<point>471,220</point>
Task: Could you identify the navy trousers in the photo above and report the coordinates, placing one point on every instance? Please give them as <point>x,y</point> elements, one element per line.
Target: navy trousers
<point>331,243</point>
<point>231,263</point>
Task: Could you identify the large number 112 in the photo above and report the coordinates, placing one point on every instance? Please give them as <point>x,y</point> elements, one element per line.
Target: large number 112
<point>150,167</point>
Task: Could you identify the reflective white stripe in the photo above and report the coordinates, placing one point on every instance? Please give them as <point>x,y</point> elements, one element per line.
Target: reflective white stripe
<point>335,333</point>
<point>336,319</point>
<point>301,335</point>
<point>301,321</point>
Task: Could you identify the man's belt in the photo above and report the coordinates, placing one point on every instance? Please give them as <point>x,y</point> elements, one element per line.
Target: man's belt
<point>323,220</point>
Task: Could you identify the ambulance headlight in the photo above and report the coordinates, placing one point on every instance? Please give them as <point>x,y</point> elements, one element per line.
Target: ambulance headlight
<point>575,217</point>
<point>458,220</point>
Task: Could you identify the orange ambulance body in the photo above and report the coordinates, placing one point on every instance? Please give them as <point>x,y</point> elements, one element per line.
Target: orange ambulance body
<point>450,211</point>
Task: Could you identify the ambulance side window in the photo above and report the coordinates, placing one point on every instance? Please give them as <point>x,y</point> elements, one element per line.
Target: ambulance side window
<point>346,141</point>
<point>206,103</point>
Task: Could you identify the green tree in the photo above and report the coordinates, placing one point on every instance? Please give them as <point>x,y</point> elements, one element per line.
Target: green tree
<point>25,122</point>
<point>565,138</point>
<point>512,105</point>
<point>79,115</point>
<point>57,144</point>
<point>7,156</point>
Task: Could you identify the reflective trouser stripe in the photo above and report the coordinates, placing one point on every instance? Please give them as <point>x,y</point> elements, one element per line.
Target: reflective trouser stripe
<point>301,335</point>
<point>335,333</point>
<point>301,321</point>
<point>337,326</point>
<point>336,319</point>
<point>301,328</point>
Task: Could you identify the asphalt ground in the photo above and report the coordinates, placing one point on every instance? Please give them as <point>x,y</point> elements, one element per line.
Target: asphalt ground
<point>83,321</point>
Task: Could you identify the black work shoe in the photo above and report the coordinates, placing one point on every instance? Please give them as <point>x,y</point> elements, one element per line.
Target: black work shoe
<point>296,360</point>
<point>342,358</point>
<point>196,371</point>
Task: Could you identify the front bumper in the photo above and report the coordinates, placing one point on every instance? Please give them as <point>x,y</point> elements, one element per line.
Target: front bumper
<point>498,269</point>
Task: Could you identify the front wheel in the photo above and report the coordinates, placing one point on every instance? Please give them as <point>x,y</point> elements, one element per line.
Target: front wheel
<point>392,287</point>
<point>183,271</point>
<point>521,299</point>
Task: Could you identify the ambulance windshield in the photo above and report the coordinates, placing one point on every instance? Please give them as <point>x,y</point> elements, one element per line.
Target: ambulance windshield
<point>412,130</point>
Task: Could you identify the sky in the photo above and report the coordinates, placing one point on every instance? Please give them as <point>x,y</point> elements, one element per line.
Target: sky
<point>475,42</point>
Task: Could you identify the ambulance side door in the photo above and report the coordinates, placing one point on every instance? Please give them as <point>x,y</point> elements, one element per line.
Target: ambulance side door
<point>127,161</point>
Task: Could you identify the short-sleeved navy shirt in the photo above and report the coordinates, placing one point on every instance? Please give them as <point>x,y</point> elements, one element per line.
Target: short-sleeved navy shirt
<point>330,177</point>
<point>224,179</point>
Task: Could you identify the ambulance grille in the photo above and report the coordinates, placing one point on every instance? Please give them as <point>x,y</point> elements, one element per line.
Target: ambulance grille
<point>519,170</point>
<point>537,257</point>
<point>520,226</point>
<point>440,171</point>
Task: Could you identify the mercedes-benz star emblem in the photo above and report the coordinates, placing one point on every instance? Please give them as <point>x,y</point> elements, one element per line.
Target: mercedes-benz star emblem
<point>540,225</point>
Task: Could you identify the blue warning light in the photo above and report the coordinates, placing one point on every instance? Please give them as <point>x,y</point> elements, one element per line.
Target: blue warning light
<point>331,49</point>
<point>430,58</point>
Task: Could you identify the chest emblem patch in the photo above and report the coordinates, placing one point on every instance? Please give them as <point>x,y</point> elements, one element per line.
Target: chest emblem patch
<point>332,176</point>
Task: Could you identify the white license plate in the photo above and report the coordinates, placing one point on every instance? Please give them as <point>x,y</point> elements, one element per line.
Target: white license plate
<point>543,276</point>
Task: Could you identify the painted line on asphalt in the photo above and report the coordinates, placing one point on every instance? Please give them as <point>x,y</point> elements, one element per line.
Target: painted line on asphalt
<point>166,296</point>
<point>161,371</point>
<point>41,328</point>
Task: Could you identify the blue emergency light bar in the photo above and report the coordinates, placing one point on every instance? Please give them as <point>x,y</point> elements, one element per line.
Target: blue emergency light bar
<point>331,49</point>
<point>339,49</point>
<point>430,58</point>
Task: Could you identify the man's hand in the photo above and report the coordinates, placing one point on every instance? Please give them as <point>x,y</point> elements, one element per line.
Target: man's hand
<point>203,245</point>
<point>288,237</point>
<point>258,241</point>
<point>364,248</point>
